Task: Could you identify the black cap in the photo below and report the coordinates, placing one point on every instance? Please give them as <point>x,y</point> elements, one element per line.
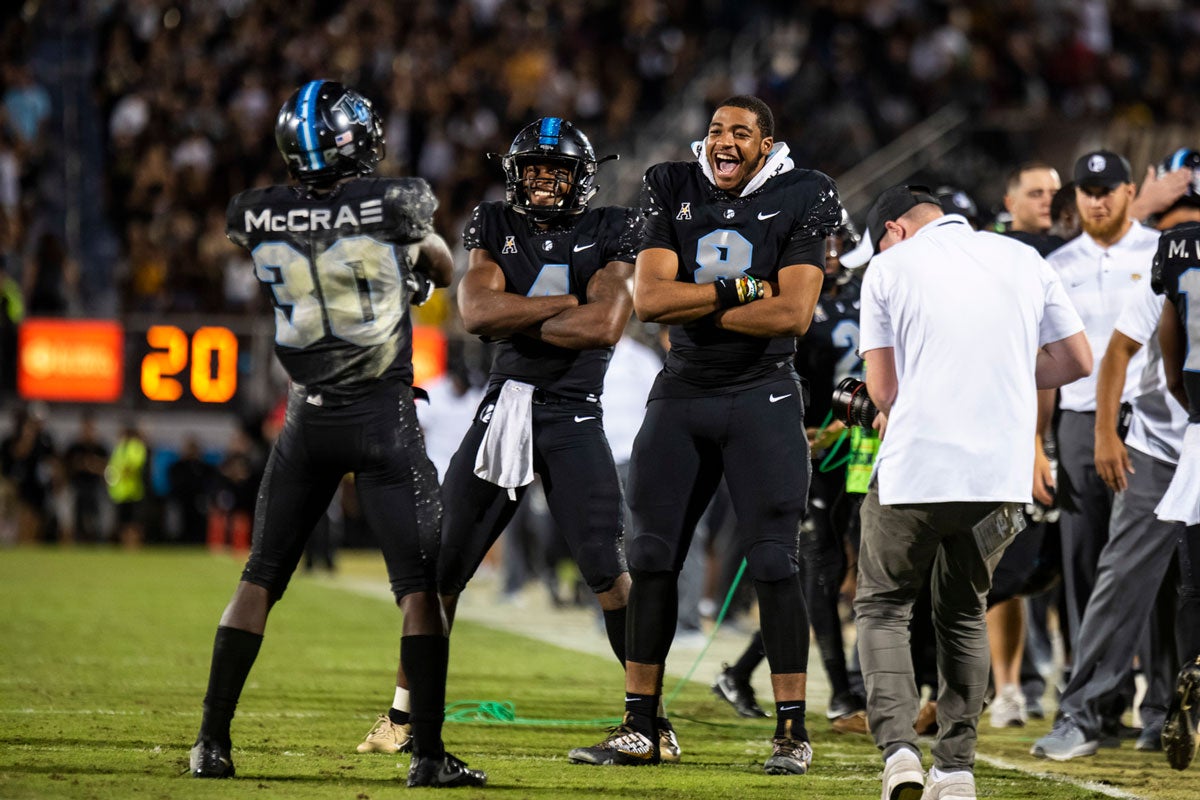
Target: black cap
<point>1102,168</point>
<point>892,204</point>
<point>956,201</point>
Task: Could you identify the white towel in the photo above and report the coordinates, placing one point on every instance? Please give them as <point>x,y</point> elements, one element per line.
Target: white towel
<point>1182,501</point>
<point>778,162</point>
<point>505,455</point>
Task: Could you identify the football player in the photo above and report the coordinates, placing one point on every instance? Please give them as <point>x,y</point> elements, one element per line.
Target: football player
<point>731,258</point>
<point>341,255</point>
<point>1177,275</point>
<point>548,280</point>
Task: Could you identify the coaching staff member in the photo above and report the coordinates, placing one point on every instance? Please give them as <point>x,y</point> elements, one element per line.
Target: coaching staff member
<point>955,380</point>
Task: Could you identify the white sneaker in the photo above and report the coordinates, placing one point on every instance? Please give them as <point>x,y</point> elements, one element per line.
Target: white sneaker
<point>903,776</point>
<point>958,785</point>
<point>1008,709</point>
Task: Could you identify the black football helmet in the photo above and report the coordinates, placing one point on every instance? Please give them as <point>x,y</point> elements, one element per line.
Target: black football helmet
<point>551,140</point>
<point>326,132</point>
<point>1184,157</point>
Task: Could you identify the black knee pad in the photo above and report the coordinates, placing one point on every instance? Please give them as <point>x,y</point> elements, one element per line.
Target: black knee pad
<point>649,552</point>
<point>600,564</point>
<point>771,561</point>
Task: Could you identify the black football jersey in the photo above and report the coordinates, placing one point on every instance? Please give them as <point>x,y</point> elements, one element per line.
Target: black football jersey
<point>1044,243</point>
<point>560,259</point>
<point>1176,273</point>
<point>718,235</point>
<point>334,267</point>
<point>829,351</point>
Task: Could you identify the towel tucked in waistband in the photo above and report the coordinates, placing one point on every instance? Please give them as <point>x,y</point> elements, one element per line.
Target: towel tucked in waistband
<point>505,455</point>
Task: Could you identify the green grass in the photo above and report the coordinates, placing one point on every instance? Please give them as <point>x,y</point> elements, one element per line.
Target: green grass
<point>104,660</point>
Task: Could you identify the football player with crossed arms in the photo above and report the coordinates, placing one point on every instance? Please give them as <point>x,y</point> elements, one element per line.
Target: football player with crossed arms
<point>341,255</point>
<point>1176,274</point>
<point>548,279</point>
<point>731,258</point>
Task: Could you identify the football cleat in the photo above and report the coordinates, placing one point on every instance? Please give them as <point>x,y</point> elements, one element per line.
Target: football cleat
<point>668,744</point>
<point>854,722</point>
<point>445,772</point>
<point>387,737</point>
<point>210,760</point>
<point>1179,734</point>
<point>623,746</point>
<point>737,692</point>
<point>788,756</point>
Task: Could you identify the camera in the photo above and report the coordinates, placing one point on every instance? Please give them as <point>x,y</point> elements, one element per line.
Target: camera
<point>852,405</point>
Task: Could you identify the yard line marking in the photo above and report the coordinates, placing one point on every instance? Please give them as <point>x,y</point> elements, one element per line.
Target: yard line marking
<point>1091,786</point>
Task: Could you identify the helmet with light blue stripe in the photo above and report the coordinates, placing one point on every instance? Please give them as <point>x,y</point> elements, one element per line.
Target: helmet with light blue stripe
<point>326,131</point>
<point>553,142</point>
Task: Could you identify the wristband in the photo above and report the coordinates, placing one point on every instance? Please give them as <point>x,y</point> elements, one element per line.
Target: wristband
<point>738,291</point>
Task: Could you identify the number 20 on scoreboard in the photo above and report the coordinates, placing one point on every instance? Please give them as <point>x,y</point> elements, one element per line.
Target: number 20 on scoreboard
<point>208,358</point>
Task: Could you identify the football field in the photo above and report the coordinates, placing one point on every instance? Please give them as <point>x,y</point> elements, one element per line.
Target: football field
<point>104,661</point>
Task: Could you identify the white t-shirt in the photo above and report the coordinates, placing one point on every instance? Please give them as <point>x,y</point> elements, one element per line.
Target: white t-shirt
<point>445,419</point>
<point>631,372</point>
<point>1100,283</point>
<point>1158,419</point>
<point>966,313</point>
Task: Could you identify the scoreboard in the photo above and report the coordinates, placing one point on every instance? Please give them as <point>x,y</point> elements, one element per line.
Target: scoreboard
<point>185,362</point>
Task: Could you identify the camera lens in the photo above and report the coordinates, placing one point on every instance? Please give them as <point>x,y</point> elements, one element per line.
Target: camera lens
<point>852,404</point>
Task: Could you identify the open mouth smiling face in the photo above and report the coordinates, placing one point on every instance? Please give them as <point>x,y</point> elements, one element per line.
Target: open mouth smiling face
<point>546,184</point>
<point>735,147</point>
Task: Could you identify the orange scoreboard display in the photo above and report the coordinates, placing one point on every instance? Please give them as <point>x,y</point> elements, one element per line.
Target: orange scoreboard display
<point>166,364</point>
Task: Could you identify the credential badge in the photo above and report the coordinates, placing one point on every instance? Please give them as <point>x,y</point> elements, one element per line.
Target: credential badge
<point>510,245</point>
<point>685,211</point>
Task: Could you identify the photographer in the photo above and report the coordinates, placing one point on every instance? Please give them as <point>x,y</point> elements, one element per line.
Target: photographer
<point>955,381</point>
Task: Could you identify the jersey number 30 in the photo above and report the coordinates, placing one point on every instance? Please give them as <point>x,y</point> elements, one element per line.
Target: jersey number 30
<point>354,291</point>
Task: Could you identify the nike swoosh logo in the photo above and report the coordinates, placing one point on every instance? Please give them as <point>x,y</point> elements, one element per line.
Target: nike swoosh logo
<point>761,215</point>
<point>579,248</point>
<point>775,399</point>
<point>788,708</point>
<point>583,419</point>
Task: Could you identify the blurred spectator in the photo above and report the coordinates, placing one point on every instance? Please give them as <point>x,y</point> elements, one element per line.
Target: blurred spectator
<point>231,512</point>
<point>85,460</point>
<point>126,475</point>
<point>27,464</point>
<point>1065,214</point>
<point>190,480</point>
<point>51,277</point>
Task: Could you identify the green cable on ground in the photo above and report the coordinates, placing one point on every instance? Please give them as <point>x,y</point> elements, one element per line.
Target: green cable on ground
<point>504,712</point>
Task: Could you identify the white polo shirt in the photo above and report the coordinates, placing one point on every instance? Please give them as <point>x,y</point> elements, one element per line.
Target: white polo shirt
<point>966,313</point>
<point>1158,419</point>
<point>1100,283</point>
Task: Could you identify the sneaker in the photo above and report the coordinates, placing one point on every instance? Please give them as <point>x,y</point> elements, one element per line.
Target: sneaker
<point>926,724</point>
<point>788,756</point>
<point>387,737</point>
<point>210,760</point>
<point>958,785</point>
<point>1008,709</point>
<point>444,772</point>
<point>903,776</point>
<point>668,744</point>
<point>1179,734</point>
<point>855,722</point>
<point>623,746</point>
<point>737,692</point>
<point>1066,740</point>
<point>1150,739</point>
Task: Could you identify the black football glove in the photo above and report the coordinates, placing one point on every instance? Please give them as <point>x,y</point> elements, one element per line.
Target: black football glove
<point>420,288</point>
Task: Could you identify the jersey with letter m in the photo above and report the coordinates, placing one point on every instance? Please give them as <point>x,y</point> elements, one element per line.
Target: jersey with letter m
<point>717,235</point>
<point>334,265</point>
<point>1176,274</point>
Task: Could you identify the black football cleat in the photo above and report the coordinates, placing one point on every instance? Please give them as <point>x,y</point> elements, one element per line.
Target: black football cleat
<point>623,746</point>
<point>445,772</point>
<point>210,760</point>
<point>737,692</point>
<point>1179,733</point>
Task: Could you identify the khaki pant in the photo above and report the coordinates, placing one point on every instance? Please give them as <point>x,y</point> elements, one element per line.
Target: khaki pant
<point>902,546</point>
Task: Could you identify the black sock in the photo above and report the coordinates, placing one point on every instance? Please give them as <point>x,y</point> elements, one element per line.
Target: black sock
<point>398,717</point>
<point>424,659</point>
<point>789,720</point>
<point>640,712</point>
<point>614,626</point>
<point>749,660</point>
<point>233,655</point>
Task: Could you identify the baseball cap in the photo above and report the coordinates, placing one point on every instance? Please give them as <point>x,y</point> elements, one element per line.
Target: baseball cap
<point>889,206</point>
<point>1101,168</point>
